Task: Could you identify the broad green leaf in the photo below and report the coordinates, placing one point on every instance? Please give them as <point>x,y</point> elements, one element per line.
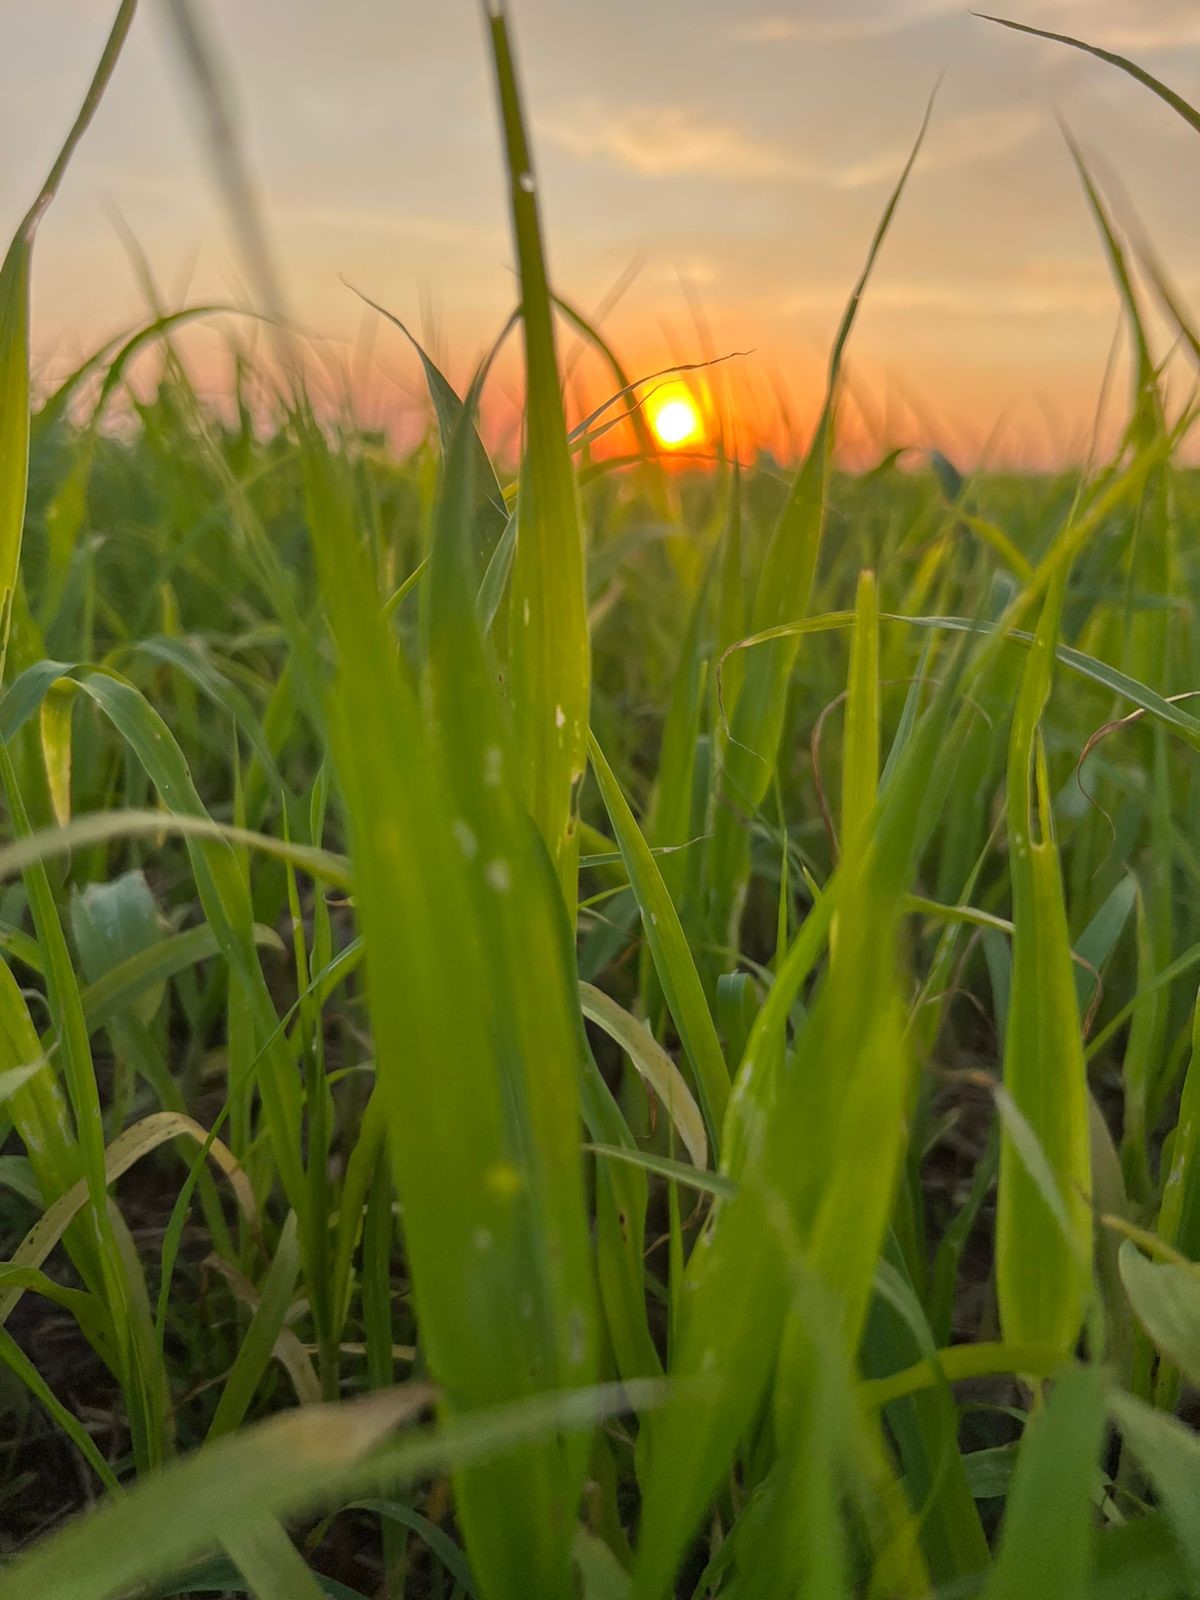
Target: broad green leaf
<point>1140,1560</point>
<point>601,1575</point>
<point>1166,1301</point>
<point>114,923</point>
<point>1169,1453</point>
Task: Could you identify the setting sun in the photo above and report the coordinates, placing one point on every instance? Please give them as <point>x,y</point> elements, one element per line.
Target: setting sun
<point>675,417</point>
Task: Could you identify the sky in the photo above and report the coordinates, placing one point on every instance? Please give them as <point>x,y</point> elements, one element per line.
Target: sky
<point>714,167</point>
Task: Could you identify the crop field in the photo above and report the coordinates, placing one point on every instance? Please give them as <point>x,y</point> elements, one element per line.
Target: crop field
<point>617,1025</point>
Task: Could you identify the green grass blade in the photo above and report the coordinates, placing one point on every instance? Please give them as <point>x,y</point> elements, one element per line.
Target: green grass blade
<point>1043,1275</point>
<point>654,1064</point>
<point>860,762</point>
<point>490,514</point>
<point>14,335</point>
<point>837,1202</point>
<point>548,670</point>
<point>533,1015</point>
<point>15,1359</point>
<point>673,960</point>
<point>256,1348</point>
<point>1170,1454</point>
<point>1046,1543</point>
<point>489,1184</point>
<point>287,1467</point>
<point>1166,1301</point>
<point>271,1564</point>
<point>1176,101</point>
<point>784,587</point>
<point>35,1104</point>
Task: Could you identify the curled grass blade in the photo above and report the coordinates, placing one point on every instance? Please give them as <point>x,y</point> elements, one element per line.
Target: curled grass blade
<point>669,948</point>
<point>1177,103</point>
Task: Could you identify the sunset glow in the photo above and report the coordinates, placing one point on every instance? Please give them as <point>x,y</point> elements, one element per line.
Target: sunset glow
<point>732,169</point>
<point>675,417</point>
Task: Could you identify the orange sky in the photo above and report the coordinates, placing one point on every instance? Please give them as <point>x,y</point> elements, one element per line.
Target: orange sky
<point>725,159</point>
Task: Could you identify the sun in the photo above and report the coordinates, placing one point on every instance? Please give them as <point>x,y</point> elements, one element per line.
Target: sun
<point>675,417</point>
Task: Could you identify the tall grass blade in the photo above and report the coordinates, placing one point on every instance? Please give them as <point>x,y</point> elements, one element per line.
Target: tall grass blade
<point>668,946</point>
<point>782,594</point>
<point>14,334</point>
<point>548,667</point>
<point>1046,1543</point>
<point>1176,101</point>
<point>1043,1264</point>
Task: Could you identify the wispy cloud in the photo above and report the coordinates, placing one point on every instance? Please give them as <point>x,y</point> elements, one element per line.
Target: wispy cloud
<point>1052,288</point>
<point>360,220</point>
<point>827,22</point>
<point>664,141</point>
<point>958,143</point>
<point>1116,24</point>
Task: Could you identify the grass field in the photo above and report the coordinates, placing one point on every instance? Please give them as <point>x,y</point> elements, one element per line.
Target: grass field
<point>609,1029</point>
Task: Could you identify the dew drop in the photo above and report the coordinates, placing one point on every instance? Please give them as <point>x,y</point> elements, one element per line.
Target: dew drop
<point>467,842</point>
<point>576,1335</point>
<point>499,876</point>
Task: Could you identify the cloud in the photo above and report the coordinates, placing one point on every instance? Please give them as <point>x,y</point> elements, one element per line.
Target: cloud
<point>665,141</point>
<point>1124,25</point>
<point>1052,288</point>
<point>357,220</point>
<point>826,22</point>
<point>959,142</point>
